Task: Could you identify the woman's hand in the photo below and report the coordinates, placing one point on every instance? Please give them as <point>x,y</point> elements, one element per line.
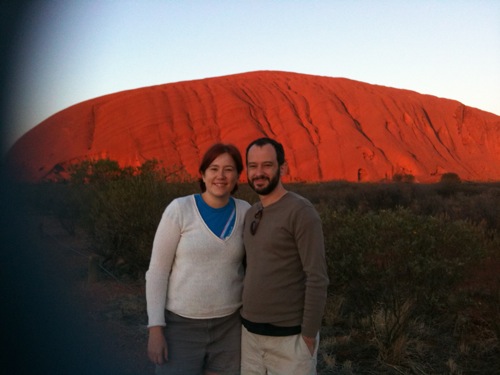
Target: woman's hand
<point>157,346</point>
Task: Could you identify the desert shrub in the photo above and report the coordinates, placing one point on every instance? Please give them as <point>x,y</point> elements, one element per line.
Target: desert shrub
<point>450,178</point>
<point>395,271</point>
<point>58,200</point>
<point>118,208</point>
<point>124,212</point>
<point>479,203</point>
<point>69,200</point>
<point>123,218</point>
<point>93,172</point>
<point>403,177</point>
<point>396,254</point>
<point>407,262</point>
<point>341,195</point>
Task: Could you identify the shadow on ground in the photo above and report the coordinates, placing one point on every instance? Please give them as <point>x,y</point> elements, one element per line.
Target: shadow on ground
<point>54,320</point>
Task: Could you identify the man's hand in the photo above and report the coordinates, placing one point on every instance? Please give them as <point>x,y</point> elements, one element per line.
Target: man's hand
<point>310,342</point>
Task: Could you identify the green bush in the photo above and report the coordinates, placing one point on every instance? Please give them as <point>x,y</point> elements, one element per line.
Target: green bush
<point>407,262</point>
<point>479,203</point>
<point>118,208</point>
<point>395,273</point>
<point>381,257</point>
<point>123,219</point>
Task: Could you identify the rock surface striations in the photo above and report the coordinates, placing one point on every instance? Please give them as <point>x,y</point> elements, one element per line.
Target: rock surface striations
<point>331,128</point>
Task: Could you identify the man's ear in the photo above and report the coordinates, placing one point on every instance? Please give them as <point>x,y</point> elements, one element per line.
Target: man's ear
<point>284,169</point>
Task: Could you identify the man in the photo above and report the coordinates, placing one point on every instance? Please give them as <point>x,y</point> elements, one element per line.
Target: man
<point>286,279</point>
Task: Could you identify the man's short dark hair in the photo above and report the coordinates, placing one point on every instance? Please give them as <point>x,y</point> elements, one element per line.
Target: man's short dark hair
<point>278,147</point>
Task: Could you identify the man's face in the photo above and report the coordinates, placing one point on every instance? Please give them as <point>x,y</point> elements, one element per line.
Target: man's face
<point>263,171</point>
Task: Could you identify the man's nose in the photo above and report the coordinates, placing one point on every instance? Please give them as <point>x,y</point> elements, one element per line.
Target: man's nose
<point>258,170</point>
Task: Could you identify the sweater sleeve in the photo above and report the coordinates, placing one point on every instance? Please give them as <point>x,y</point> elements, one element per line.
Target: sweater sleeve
<point>162,257</point>
<point>310,242</point>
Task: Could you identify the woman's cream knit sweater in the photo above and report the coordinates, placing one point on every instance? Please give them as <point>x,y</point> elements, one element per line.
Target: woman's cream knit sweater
<point>192,272</point>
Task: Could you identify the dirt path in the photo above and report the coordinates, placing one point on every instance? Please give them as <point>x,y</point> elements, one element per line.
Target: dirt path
<point>59,322</point>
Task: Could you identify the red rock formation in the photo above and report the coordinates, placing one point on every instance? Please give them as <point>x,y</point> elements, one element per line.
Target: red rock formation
<point>331,128</point>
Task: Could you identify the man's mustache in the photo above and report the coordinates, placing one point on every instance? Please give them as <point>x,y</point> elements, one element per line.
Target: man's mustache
<point>260,178</point>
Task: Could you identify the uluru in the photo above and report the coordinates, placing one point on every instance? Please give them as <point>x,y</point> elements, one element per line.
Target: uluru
<point>331,129</point>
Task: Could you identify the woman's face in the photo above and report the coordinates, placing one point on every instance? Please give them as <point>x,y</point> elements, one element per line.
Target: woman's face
<point>221,177</point>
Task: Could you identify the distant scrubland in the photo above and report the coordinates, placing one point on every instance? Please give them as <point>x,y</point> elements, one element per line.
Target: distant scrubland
<point>415,286</point>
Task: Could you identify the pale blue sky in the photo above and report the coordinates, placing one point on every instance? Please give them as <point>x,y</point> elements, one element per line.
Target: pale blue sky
<point>73,50</point>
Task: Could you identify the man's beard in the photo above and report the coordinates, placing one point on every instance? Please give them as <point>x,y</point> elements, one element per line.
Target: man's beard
<point>273,182</point>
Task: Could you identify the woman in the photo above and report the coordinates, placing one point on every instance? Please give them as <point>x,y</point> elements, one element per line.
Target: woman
<point>195,276</point>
